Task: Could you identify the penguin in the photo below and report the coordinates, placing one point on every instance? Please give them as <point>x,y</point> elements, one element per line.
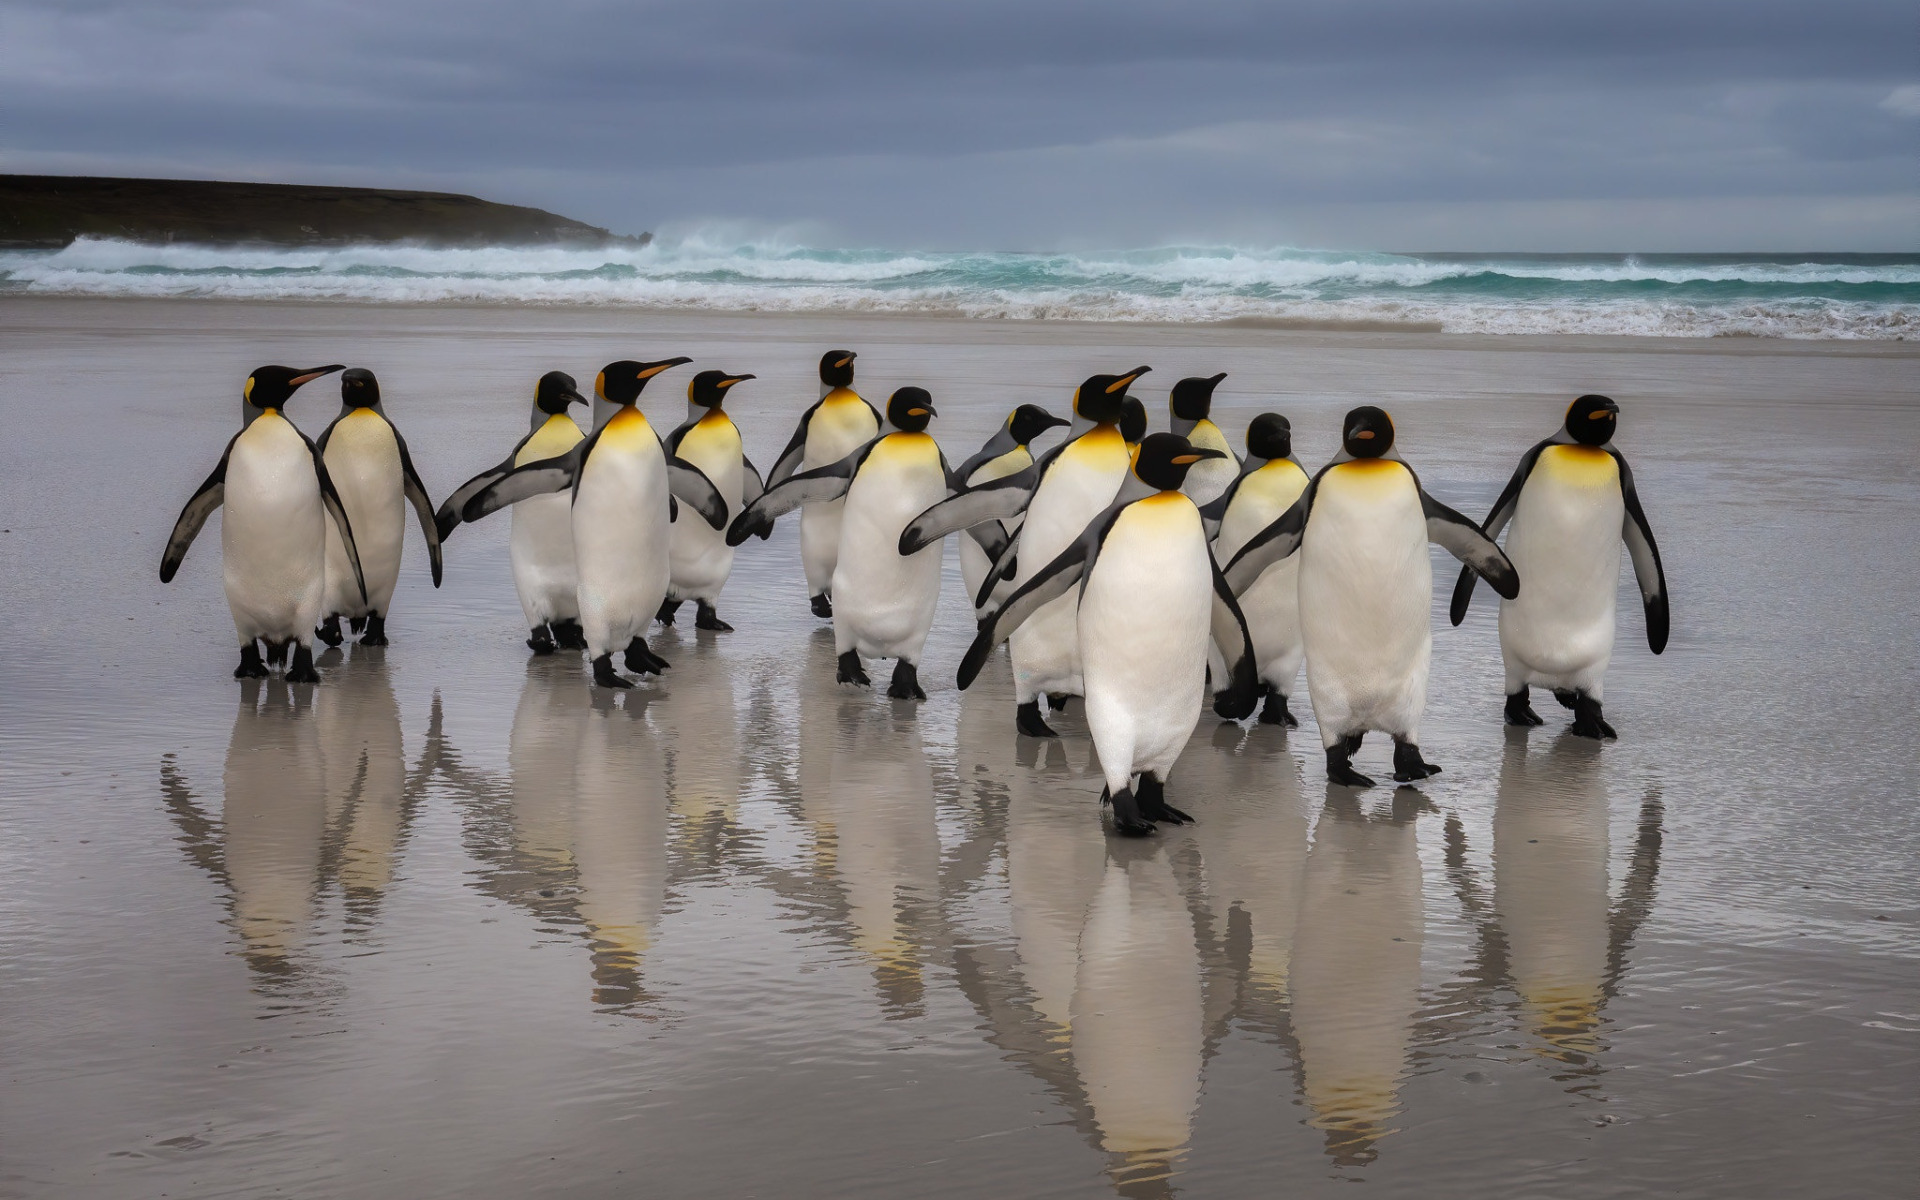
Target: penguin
<point>839,424</point>
<point>541,544</point>
<point>1133,422</point>
<point>1067,487</point>
<point>885,596</point>
<point>1150,595</point>
<point>273,540</point>
<point>1366,585</point>
<point>624,486</point>
<point>1570,503</point>
<point>1003,454</point>
<point>1189,407</point>
<point>1270,480</point>
<point>709,440</point>
<point>368,461</point>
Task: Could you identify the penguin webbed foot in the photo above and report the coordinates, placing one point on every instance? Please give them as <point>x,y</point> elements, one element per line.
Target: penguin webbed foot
<point>643,661</point>
<point>848,669</point>
<point>1587,721</point>
<point>376,635</point>
<point>1151,796</point>
<point>905,684</point>
<point>356,624</point>
<point>822,606</point>
<point>329,632</point>
<point>1340,763</point>
<point>707,617</point>
<point>1567,697</point>
<point>251,666</point>
<point>568,634</point>
<point>1273,711</point>
<point>540,641</point>
<point>1520,710</point>
<point>1128,821</point>
<point>1057,701</point>
<point>277,653</point>
<point>301,670</point>
<point>1408,766</point>
<point>603,674</point>
<point>1027,720</point>
<point>668,609</point>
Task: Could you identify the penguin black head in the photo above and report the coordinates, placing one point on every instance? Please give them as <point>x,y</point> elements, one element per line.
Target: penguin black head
<point>269,387</point>
<point>359,389</point>
<point>620,382</point>
<point>1029,421</point>
<point>910,410</point>
<point>1367,432</point>
<point>1270,437</point>
<point>836,368</point>
<point>708,389</point>
<point>1133,420</point>
<point>1101,397</point>
<point>1192,399</point>
<point>1591,420</point>
<point>1164,459</point>
<point>554,392</point>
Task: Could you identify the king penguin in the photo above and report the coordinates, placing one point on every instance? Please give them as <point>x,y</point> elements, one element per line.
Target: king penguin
<point>541,544</point>
<point>1366,585</point>
<point>884,598</point>
<point>1150,597</point>
<point>273,540</point>
<point>1190,407</point>
<point>709,440</point>
<point>371,469</point>
<point>1566,510</point>
<point>1066,488</point>
<point>624,487</point>
<point>1270,480</point>
<point>840,423</point>
<point>1007,452</point>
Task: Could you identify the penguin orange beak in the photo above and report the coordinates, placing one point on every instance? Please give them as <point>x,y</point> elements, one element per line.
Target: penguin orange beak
<point>1121,384</point>
<point>730,380</point>
<point>313,373</point>
<point>652,369</point>
<point>1196,454</point>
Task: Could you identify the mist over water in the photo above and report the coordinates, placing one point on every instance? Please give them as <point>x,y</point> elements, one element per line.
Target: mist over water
<point>1858,296</point>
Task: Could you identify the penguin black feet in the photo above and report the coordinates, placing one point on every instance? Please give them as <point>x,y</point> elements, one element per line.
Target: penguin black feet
<point>1128,821</point>
<point>642,661</point>
<point>1587,722</point>
<point>1027,720</point>
<point>1151,796</point>
<point>1273,711</point>
<point>822,607</point>
<point>1408,766</point>
<point>251,667</point>
<point>540,641</point>
<point>1057,701</point>
<point>1520,710</point>
<point>1567,697</point>
<point>301,670</point>
<point>376,634</point>
<point>329,632</point>
<point>1340,763</point>
<point>568,635</point>
<point>668,608</point>
<point>849,670</point>
<point>906,682</point>
<point>603,675</point>
<point>708,618</point>
<point>277,653</point>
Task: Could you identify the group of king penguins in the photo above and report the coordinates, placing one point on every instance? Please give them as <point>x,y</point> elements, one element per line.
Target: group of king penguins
<point>1139,571</point>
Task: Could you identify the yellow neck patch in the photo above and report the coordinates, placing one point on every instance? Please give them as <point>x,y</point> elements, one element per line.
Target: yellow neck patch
<point>1582,466</point>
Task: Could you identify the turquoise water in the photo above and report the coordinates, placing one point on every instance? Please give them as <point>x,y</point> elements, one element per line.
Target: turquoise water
<point>1874,296</point>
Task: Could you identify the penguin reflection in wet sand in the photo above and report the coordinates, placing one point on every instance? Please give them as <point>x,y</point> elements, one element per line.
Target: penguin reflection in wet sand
<point>624,487</point>
<point>1570,503</point>
<point>541,544</point>
<point>273,539</point>
<point>1149,598</point>
<point>1005,453</point>
<point>884,599</point>
<point>1190,406</point>
<point>1366,585</point>
<point>709,440</point>
<point>839,424</point>
<point>368,461</point>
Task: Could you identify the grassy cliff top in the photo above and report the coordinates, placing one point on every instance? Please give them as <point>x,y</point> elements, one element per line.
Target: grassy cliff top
<point>52,210</point>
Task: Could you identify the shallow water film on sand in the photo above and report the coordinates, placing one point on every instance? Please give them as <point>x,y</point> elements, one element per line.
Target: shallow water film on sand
<point>453,923</point>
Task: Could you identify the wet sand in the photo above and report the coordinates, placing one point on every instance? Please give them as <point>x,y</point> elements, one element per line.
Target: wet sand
<point>452,924</point>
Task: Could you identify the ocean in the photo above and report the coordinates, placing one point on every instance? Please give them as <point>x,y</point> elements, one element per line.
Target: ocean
<point>1828,296</point>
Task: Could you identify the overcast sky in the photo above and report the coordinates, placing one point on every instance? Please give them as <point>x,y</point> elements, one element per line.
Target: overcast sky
<point>1022,124</point>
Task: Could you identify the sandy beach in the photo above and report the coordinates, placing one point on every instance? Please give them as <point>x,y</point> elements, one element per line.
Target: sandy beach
<point>452,924</point>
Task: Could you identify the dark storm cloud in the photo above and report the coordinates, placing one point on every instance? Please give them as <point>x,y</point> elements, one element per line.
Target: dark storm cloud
<point>1207,112</point>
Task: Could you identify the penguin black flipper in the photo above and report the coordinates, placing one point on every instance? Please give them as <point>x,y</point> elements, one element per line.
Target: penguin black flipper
<point>330,499</point>
<point>990,535</point>
<point>537,478</point>
<point>789,460</point>
<point>1647,570</point>
<point>689,483</point>
<point>210,495</point>
<point>1236,701</point>
<point>1005,565</point>
<point>1497,519</point>
<point>809,487</point>
<point>450,509</point>
<point>1456,533</point>
<point>416,493</point>
<point>751,485</point>
<point>1051,582</point>
<point>994,500</point>
<point>1279,539</point>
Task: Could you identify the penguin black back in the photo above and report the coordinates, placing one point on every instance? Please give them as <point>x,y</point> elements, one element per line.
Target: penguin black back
<point>1270,437</point>
<point>1367,432</point>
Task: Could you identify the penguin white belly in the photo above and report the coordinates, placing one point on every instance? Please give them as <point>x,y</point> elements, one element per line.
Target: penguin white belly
<point>974,563</point>
<point>1272,604</point>
<point>1143,631</point>
<point>1564,541</point>
<point>1366,588</point>
<point>273,540</point>
<point>1082,482</point>
<point>621,538</point>
<point>883,601</point>
<point>702,560</point>
<point>1210,477</point>
<point>541,544</point>
<point>363,460</point>
<point>842,424</point>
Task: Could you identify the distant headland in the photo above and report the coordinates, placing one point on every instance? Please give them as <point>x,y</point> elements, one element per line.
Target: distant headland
<point>50,211</point>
